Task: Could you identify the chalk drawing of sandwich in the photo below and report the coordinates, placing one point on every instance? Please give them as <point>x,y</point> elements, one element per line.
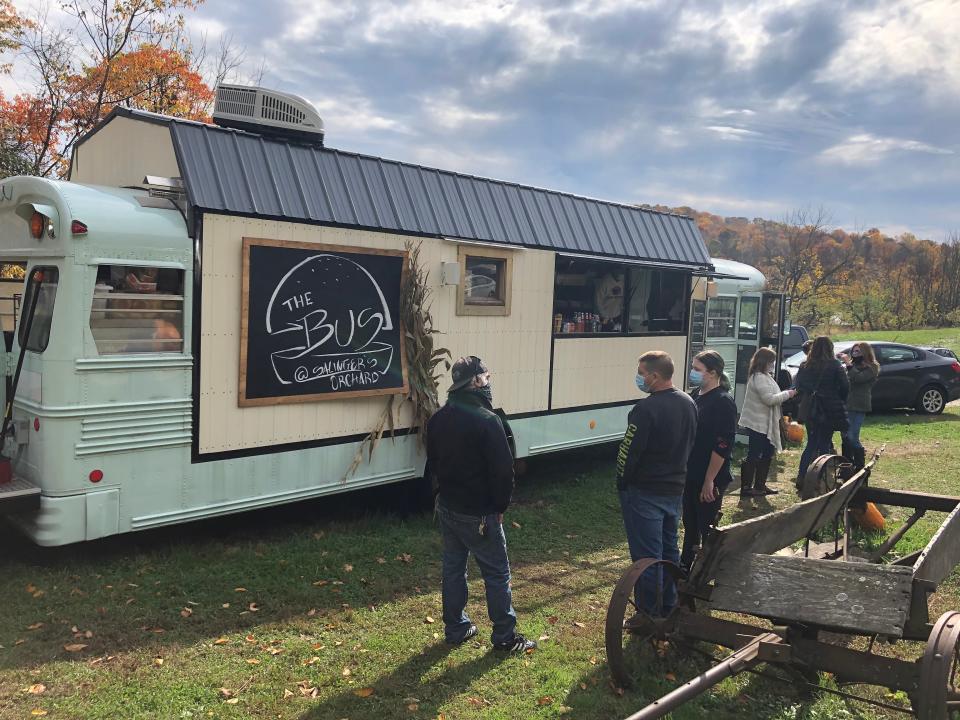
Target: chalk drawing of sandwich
<point>332,310</point>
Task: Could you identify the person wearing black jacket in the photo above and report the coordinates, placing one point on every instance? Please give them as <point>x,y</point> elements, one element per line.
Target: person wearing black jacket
<point>708,469</point>
<point>823,376</point>
<point>651,471</point>
<point>469,455</point>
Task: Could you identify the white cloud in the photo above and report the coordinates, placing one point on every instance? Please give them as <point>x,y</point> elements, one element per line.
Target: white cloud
<point>446,112</point>
<point>900,40</point>
<point>867,149</point>
<point>728,132</point>
<point>354,115</point>
<point>712,202</point>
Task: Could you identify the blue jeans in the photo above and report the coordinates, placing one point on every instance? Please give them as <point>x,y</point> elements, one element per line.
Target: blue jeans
<point>651,522</point>
<point>460,538</point>
<point>853,433</point>
<point>759,447</point>
<point>819,442</point>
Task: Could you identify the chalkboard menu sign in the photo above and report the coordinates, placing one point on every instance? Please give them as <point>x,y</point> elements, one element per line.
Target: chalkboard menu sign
<point>319,322</point>
<point>698,326</point>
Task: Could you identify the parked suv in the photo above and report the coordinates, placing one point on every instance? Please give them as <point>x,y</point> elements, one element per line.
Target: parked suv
<point>793,342</point>
<point>909,376</point>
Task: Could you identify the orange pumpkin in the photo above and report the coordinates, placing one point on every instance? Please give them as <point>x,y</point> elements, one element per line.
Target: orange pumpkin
<point>869,518</point>
<point>794,431</point>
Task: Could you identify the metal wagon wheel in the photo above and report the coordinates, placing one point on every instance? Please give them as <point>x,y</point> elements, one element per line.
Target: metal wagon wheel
<point>619,628</point>
<point>939,695</point>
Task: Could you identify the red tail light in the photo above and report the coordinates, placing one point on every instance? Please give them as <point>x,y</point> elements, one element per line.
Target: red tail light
<point>956,367</point>
<point>78,228</point>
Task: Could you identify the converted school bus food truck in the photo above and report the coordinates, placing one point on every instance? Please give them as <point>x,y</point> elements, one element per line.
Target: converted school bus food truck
<point>210,318</point>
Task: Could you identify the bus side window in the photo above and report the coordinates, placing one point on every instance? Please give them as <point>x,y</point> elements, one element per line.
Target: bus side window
<point>137,310</point>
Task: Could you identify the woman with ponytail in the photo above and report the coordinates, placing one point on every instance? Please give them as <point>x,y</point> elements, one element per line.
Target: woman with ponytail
<point>761,418</point>
<point>708,469</point>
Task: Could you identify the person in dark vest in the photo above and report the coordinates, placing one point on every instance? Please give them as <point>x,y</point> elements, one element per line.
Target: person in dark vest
<point>862,373</point>
<point>823,375</point>
<point>469,456</point>
<point>651,472</point>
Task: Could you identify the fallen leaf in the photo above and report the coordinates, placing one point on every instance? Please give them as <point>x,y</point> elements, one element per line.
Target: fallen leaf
<point>18,642</point>
<point>287,693</point>
<point>543,637</point>
<point>405,557</point>
<point>233,701</point>
<point>221,641</point>
<point>545,700</point>
<point>253,607</point>
<point>383,561</point>
<point>311,612</point>
<point>38,713</point>
<point>186,612</point>
<point>74,647</point>
<point>671,677</point>
<point>39,594</point>
<point>250,639</point>
<point>593,660</point>
<point>564,709</point>
<point>226,693</point>
<point>319,535</point>
<point>348,567</point>
<point>38,689</point>
<point>31,588</point>
<point>35,626</point>
<point>158,661</point>
<point>578,624</point>
<point>253,661</point>
<point>275,651</point>
<point>321,583</point>
<point>240,589</point>
<point>429,620</point>
<point>321,646</point>
<point>583,686</point>
<point>225,606</point>
<point>516,525</point>
<point>413,707</point>
<point>346,672</point>
<point>363,692</point>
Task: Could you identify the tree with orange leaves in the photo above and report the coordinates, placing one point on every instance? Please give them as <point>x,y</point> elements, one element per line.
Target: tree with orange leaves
<point>131,53</point>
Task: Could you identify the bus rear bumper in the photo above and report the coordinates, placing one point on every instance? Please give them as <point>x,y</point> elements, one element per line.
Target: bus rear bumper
<point>70,518</point>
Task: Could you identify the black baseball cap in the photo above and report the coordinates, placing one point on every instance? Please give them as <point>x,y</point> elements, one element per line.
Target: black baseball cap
<point>466,369</point>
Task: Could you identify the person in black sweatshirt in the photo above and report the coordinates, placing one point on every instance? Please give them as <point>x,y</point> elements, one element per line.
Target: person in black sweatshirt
<point>651,470</point>
<point>708,470</point>
<point>469,455</point>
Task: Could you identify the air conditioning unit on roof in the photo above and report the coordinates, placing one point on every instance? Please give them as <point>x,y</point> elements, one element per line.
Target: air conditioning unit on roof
<point>267,112</point>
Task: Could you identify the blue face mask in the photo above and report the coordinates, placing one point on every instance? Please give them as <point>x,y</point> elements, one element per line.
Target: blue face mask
<point>642,383</point>
<point>696,378</point>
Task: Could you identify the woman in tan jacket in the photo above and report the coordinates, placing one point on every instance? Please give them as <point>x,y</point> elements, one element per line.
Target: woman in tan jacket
<point>761,419</point>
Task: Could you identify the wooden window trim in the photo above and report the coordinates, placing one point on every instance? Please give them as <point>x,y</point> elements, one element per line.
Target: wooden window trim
<point>463,308</point>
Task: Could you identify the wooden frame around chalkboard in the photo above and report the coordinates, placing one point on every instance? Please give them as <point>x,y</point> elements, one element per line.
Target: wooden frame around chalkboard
<point>242,400</point>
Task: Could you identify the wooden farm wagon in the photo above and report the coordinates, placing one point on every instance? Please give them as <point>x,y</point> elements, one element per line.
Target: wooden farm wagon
<point>803,597</point>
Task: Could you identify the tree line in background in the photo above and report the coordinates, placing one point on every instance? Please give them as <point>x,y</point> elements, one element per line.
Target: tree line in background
<point>101,54</point>
<point>97,55</point>
<point>865,280</point>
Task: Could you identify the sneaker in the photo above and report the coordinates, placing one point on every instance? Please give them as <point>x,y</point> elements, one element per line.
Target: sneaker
<point>769,491</point>
<point>471,632</point>
<point>519,644</point>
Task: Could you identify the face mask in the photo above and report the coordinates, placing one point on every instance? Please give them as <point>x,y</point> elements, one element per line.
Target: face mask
<point>642,383</point>
<point>695,377</point>
<point>858,358</point>
<point>486,392</point>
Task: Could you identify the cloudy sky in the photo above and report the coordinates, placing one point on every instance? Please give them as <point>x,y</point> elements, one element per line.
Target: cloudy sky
<point>749,108</point>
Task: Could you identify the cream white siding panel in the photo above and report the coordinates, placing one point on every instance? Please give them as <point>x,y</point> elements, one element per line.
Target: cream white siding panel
<point>516,347</point>
<point>123,152</point>
<point>592,371</point>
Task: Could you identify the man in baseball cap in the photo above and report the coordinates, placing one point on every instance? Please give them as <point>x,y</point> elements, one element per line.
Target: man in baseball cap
<point>469,455</point>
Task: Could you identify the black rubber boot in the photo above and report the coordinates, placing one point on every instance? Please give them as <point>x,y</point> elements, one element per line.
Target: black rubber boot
<point>848,451</point>
<point>859,458</point>
<point>748,470</point>
<point>763,471</point>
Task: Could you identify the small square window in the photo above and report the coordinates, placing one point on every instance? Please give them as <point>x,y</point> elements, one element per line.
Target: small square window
<point>484,282</point>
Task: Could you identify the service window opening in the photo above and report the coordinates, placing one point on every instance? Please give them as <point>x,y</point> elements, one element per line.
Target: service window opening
<point>137,310</point>
<point>594,297</point>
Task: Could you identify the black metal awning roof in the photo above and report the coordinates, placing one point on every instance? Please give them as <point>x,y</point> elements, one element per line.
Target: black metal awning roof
<point>232,171</point>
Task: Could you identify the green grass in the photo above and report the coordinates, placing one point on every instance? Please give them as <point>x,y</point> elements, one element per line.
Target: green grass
<point>932,337</point>
<point>335,588</point>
